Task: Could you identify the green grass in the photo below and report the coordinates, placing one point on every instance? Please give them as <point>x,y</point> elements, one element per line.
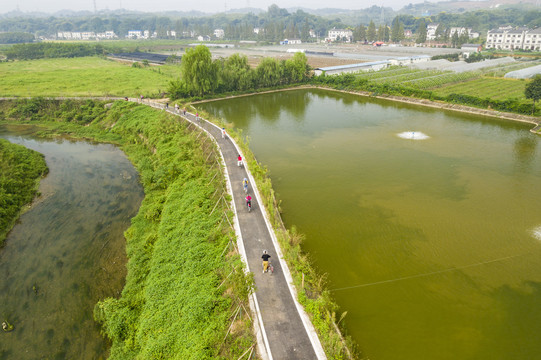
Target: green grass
<point>89,76</point>
<point>493,88</point>
<point>20,172</point>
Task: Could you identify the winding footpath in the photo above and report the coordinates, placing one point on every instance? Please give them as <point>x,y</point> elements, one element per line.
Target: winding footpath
<point>282,327</point>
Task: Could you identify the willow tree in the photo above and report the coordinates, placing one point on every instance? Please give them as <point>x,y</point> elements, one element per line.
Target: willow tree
<point>199,73</point>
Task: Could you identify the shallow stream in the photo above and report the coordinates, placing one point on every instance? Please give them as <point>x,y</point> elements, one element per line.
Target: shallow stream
<point>68,251</point>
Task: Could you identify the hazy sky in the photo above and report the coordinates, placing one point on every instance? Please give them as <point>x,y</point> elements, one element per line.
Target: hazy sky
<point>50,6</point>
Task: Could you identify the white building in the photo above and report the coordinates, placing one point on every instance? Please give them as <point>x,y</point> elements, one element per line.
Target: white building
<point>511,39</point>
<point>87,35</point>
<point>431,31</point>
<point>532,40</point>
<point>463,30</point>
<point>291,42</point>
<point>340,34</point>
<point>219,33</point>
<point>135,34</point>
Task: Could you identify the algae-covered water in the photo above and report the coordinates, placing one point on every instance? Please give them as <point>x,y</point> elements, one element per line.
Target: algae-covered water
<point>427,222</point>
<point>68,251</point>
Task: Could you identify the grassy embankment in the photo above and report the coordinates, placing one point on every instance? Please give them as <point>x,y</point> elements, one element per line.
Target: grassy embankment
<point>88,76</point>
<point>186,292</point>
<point>20,172</point>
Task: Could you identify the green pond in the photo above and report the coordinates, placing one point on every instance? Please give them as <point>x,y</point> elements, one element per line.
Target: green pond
<point>68,251</point>
<point>427,222</point>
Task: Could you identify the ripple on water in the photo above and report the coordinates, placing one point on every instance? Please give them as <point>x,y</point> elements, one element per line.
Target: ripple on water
<point>413,135</point>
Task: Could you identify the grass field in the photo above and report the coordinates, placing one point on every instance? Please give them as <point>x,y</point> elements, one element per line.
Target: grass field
<point>90,76</point>
<point>485,87</point>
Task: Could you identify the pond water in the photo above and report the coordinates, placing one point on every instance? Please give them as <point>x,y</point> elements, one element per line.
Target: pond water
<point>427,222</point>
<point>68,251</point>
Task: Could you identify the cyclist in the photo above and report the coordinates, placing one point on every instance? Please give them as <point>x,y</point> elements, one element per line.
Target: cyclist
<point>265,258</point>
<point>239,160</point>
<point>249,201</point>
<point>197,116</point>
<point>245,185</point>
<point>223,133</point>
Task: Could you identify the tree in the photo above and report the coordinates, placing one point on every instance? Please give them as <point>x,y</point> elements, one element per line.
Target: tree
<point>371,32</point>
<point>199,73</point>
<point>386,33</point>
<point>297,68</point>
<point>440,32</point>
<point>533,90</point>
<point>381,33</point>
<point>268,72</point>
<point>362,33</point>
<point>421,32</point>
<point>454,39</point>
<point>396,34</point>
<point>236,74</point>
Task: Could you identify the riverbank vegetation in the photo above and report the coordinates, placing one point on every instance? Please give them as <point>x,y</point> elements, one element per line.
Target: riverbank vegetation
<point>186,291</point>
<point>20,172</point>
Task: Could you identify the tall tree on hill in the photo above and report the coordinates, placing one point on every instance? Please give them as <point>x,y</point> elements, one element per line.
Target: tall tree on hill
<point>371,32</point>
<point>533,90</point>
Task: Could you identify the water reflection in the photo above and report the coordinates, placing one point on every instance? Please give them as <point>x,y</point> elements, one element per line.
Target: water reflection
<point>68,251</point>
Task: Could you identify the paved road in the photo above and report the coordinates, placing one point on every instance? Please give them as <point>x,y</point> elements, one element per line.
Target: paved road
<point>286,334</point>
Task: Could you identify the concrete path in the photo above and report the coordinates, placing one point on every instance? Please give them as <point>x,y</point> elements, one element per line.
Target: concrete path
<point>286,331</point>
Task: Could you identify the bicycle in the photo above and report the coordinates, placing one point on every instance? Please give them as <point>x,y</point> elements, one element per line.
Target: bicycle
<point>270,268</point>
<point>249,205</point>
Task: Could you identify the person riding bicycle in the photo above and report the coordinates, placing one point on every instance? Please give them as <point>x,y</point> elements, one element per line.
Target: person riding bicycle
<point>223,133</point>
<point>245,184</point>
<point>239,160</point>
<point>249,201</point>
<point>265,258</point>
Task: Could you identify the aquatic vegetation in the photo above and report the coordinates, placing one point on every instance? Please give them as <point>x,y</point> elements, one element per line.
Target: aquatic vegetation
<point>20,171</point>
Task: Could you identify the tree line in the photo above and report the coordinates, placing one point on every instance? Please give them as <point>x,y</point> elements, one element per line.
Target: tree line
<point>16,38</point>
<point>276,24</point>
<point>201,76</point>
